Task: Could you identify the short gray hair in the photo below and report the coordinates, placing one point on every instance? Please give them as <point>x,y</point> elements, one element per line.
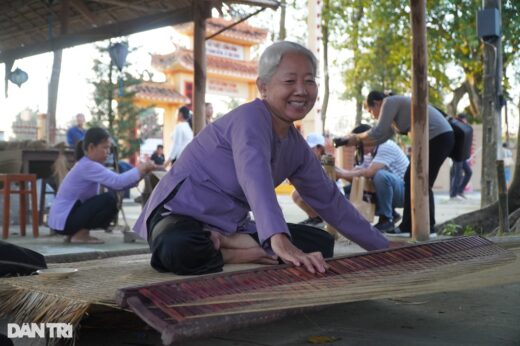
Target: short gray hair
<point>272,55</point>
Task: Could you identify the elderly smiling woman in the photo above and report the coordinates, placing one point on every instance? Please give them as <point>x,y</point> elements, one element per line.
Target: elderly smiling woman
<point>198,217</point>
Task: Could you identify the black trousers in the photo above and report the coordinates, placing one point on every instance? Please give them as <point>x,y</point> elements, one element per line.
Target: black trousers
<point>95,212</point>
<point>180,245</point>
<point>440,147</point>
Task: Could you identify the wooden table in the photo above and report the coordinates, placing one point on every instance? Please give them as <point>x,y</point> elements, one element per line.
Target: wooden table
<point>34,161</point>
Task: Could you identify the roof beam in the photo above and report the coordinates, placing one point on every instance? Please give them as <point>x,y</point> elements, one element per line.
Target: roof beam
<point>273,4</point>
<point>144,23</point>
<point>127,5</point>
<point>80,6</point>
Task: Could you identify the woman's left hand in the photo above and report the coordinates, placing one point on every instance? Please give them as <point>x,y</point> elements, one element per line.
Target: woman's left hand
<point>289,253</point>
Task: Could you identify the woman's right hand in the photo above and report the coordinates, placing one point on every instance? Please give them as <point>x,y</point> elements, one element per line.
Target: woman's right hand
<point>289,253</point>
<point>146,167</point>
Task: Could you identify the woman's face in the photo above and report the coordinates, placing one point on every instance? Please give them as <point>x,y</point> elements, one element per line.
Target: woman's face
<point>292,90</point>
<point>375,109</point>
<point>99,152</point>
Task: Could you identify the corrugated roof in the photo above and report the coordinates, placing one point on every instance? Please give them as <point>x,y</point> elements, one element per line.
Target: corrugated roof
<point>29,27</point>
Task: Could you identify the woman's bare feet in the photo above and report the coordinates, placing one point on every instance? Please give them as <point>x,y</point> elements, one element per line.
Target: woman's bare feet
<point>249,255</point>
<point>241,248</point>
<point>215,238</point>
<point>83,237</point>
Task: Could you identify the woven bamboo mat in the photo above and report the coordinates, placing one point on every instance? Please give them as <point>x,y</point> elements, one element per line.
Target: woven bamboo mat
<point>218,303</point>
<point>97,280</point>
<point>35,299</point>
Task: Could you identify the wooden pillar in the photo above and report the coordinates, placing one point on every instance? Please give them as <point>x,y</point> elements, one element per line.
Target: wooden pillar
<point>491,109</point>
<point>8,66</point>
<point>503,205</point>
<point>201,11</point>
<point>55,77</point>
<point>419,124</point>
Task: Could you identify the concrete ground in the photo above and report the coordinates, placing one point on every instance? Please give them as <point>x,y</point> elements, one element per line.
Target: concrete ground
<point>55,250</point>
<point>481,316</point>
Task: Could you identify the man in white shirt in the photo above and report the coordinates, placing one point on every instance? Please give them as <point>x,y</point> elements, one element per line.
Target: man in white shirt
<point>386,170</point>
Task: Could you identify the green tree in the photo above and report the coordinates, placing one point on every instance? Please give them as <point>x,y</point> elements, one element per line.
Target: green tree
<point>123,121</point>
<point>376,37</point>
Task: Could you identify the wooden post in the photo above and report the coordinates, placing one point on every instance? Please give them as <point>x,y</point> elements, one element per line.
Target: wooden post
<point>419,125</point>
<point>503,207</point>
<point>55,77</point>
<point>491,136</point>
<point>328,163</point>
<point>200,13</point>
<point>8,66</point>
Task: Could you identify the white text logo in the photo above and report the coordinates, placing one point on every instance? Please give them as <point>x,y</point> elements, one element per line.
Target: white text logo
<point>32,330</point>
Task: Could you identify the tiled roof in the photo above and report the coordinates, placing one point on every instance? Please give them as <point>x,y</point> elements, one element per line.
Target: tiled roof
<point>242,32</point>
<point>160,92</point>
<point>183,59</point>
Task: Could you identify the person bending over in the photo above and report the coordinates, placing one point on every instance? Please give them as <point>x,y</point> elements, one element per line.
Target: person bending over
<point>393,113</point>
<point>78,207</point>
<point>197,218</point>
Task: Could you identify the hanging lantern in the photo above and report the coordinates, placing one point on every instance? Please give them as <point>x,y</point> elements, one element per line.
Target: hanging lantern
<point>118,53</point>
<point>18,77</point>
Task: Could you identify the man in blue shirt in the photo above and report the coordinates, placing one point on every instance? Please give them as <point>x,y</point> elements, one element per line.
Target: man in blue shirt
<point>77,132</point>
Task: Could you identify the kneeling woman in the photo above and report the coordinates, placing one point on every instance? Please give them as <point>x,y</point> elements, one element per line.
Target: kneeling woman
<point>78,207</point>
<point>197,217</point>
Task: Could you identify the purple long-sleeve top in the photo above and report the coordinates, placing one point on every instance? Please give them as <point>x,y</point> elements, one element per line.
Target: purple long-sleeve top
<point>82,183</point>
<point>233,166</point>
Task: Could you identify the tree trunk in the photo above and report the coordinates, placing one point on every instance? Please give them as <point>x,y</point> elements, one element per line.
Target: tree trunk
<point>55,76</point>
<point>326,82</point>
<point>458,93</point>
<point>53,97</point>
<point>514,188</point>
<point>359,107</point>
<point>357,16</point>
<point>482,221</point>
<point>475,99</point>
<point>489,130</point>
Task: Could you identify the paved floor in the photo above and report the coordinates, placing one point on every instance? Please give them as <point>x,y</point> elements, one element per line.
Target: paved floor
<point>53,247</point>
<point>486,316</point>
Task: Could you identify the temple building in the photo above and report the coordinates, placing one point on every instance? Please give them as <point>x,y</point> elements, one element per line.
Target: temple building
<point>231,71</point>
